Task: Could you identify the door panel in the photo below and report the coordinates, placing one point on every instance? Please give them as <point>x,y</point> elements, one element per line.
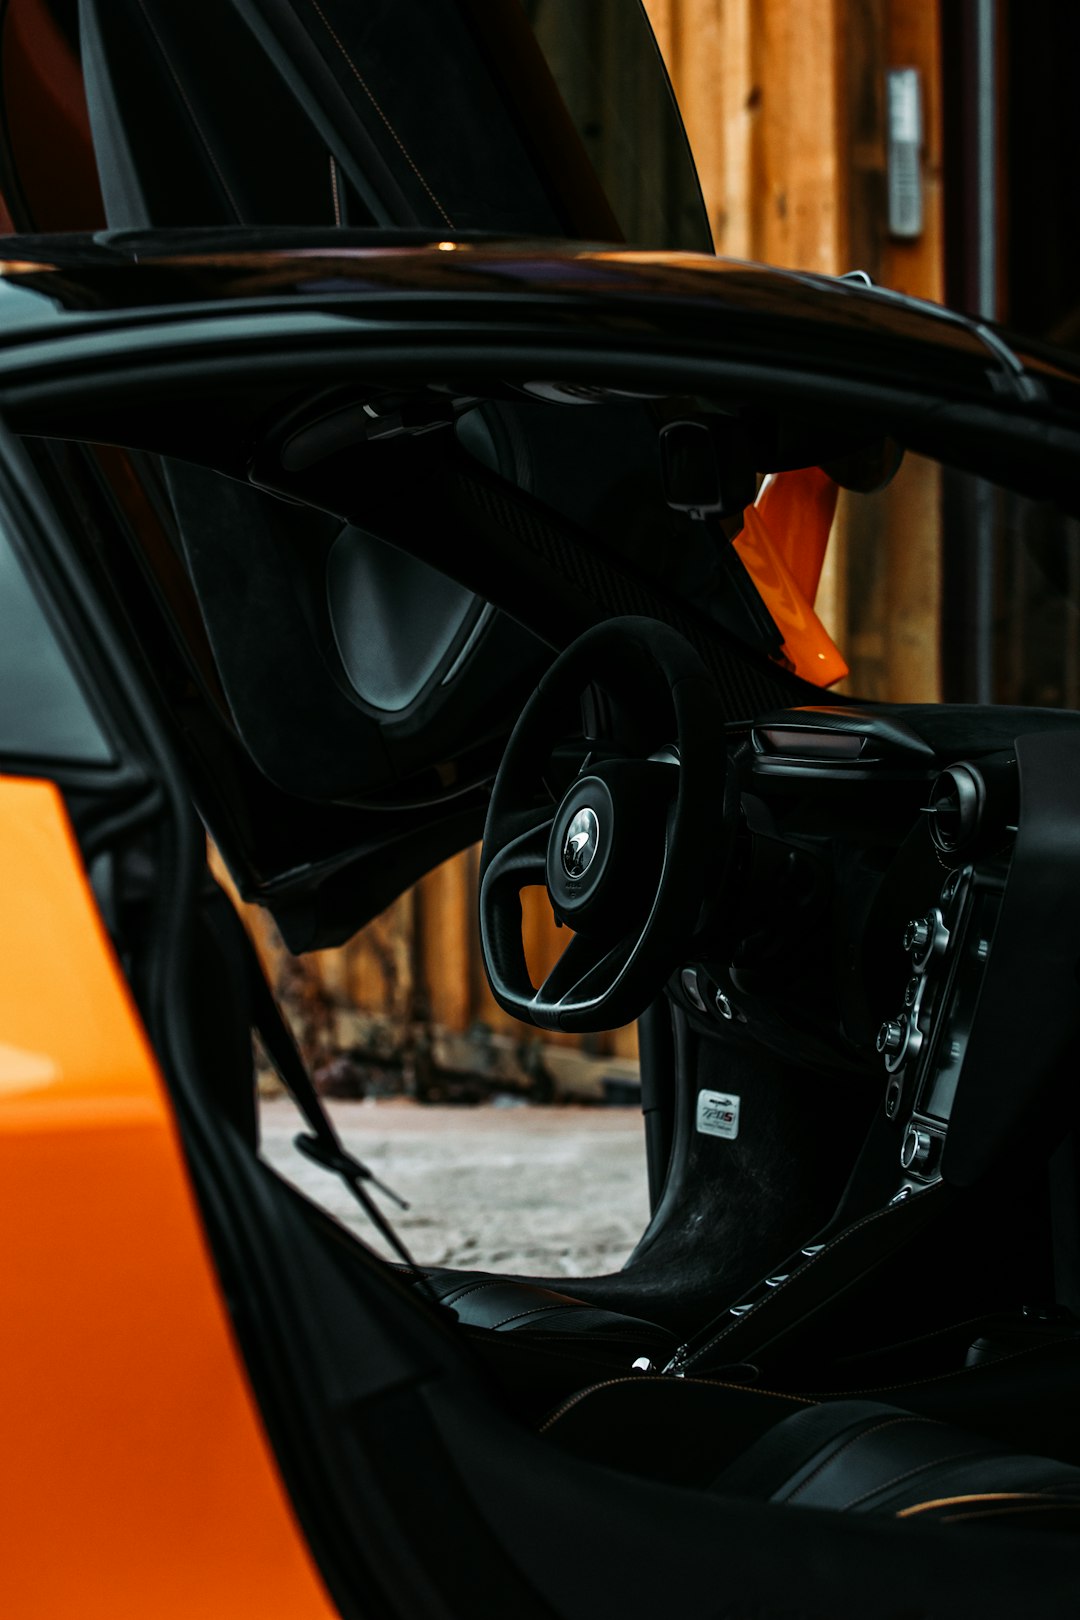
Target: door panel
<point>139,1477</point>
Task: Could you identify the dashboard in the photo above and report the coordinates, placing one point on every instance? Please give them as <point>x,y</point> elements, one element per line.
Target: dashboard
<point>903,906</point>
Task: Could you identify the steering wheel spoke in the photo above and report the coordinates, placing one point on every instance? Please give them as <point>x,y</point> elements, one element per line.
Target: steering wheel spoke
<point>585,970</point>
<point>522,860</point>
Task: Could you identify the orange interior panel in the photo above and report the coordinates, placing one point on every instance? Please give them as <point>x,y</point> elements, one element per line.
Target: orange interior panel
<point>782,546</point>
<point>137,1478</point>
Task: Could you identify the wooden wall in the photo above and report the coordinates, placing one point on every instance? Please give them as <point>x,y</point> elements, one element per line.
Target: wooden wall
<point>784,106</point>
<point>421,958</point>
<point>784,103</point>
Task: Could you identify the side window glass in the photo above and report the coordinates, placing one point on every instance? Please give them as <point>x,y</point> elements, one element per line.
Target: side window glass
<point>44,714</point>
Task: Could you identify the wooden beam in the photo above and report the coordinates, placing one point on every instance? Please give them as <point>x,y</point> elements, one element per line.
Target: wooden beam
<point>378,963</point>
<point>798,181</point>
<point>448,902</point>
<point>762,91</point>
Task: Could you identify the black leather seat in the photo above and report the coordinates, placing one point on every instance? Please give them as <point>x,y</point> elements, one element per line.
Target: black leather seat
<point>866,1457</point>
<point>480,1299</point>
<point>844,1456</point>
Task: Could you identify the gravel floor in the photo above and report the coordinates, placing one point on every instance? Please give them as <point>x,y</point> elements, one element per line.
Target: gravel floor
<point>551,1191</point>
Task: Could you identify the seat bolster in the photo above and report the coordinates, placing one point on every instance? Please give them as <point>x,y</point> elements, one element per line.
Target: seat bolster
<point>503,1305</point>
<point>674,1429</point>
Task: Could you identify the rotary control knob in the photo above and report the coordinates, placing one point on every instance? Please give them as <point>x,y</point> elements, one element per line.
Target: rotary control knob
<point>890,1037</point>
<point>897,1040</point>
<point>925,937</point>
<point>916,1150</point>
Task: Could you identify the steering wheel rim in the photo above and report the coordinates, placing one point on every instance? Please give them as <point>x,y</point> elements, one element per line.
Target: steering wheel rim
<point>625,945</point>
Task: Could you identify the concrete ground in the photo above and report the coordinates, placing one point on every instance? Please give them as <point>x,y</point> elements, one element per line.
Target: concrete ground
<point>548,1191</point>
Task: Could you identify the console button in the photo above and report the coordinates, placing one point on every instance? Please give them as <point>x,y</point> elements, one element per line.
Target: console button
<point>890,1037</point>
<point>897,1040</point>
<point>925,937</point>
<point>952,890</point>
<point>916,1150</point>
<point>689,980</point>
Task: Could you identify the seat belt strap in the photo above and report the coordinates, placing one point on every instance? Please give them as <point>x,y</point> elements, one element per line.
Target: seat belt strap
<point>320,1142</point>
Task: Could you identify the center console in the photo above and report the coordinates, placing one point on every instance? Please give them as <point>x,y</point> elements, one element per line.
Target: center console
<point>979,1048</point>
<point>971,818</point>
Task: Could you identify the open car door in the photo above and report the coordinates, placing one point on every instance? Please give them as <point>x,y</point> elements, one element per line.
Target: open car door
<point>370,695</point>
<point>522,117</point>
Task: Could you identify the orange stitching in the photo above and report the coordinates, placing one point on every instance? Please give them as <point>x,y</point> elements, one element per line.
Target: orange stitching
<point>1018,1507</point>
<point>960,1501</point>
<point>397,138</point>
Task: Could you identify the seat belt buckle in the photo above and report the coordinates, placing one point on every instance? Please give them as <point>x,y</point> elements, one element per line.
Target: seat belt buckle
<point>340,1162</point>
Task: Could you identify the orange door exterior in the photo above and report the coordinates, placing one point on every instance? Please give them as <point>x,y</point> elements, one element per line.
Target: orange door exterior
<point>137,1478</point>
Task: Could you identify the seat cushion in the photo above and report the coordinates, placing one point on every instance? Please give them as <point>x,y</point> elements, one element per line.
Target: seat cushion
<point>505,1305</point>
<point>865,1457</point>
<point>844,1456</point>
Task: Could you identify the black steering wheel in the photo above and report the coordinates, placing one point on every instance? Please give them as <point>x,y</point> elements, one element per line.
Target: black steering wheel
<point>637,841</point>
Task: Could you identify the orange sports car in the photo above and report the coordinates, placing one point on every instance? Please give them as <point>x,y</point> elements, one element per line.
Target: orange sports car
<point>363,494</point>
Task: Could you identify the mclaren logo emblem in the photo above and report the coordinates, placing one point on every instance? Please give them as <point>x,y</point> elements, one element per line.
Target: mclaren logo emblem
<point>579,845</point>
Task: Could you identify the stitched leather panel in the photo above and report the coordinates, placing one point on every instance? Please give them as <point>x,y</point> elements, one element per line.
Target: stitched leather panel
<point>674,1429</point>
<point>846,1257</point>
<point>504,1305</point>
<point>1057,1509</point>
<point>864,1457</point>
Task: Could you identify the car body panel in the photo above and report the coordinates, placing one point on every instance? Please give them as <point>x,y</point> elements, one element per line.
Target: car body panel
<point>152,323</point>
<point>140,1451</point>
<point>115,285</point>
<point>146,1453</point>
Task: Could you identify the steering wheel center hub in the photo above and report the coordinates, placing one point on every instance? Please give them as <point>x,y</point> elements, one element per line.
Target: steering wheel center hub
<point>581,842</point>
<point>580,850</point>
